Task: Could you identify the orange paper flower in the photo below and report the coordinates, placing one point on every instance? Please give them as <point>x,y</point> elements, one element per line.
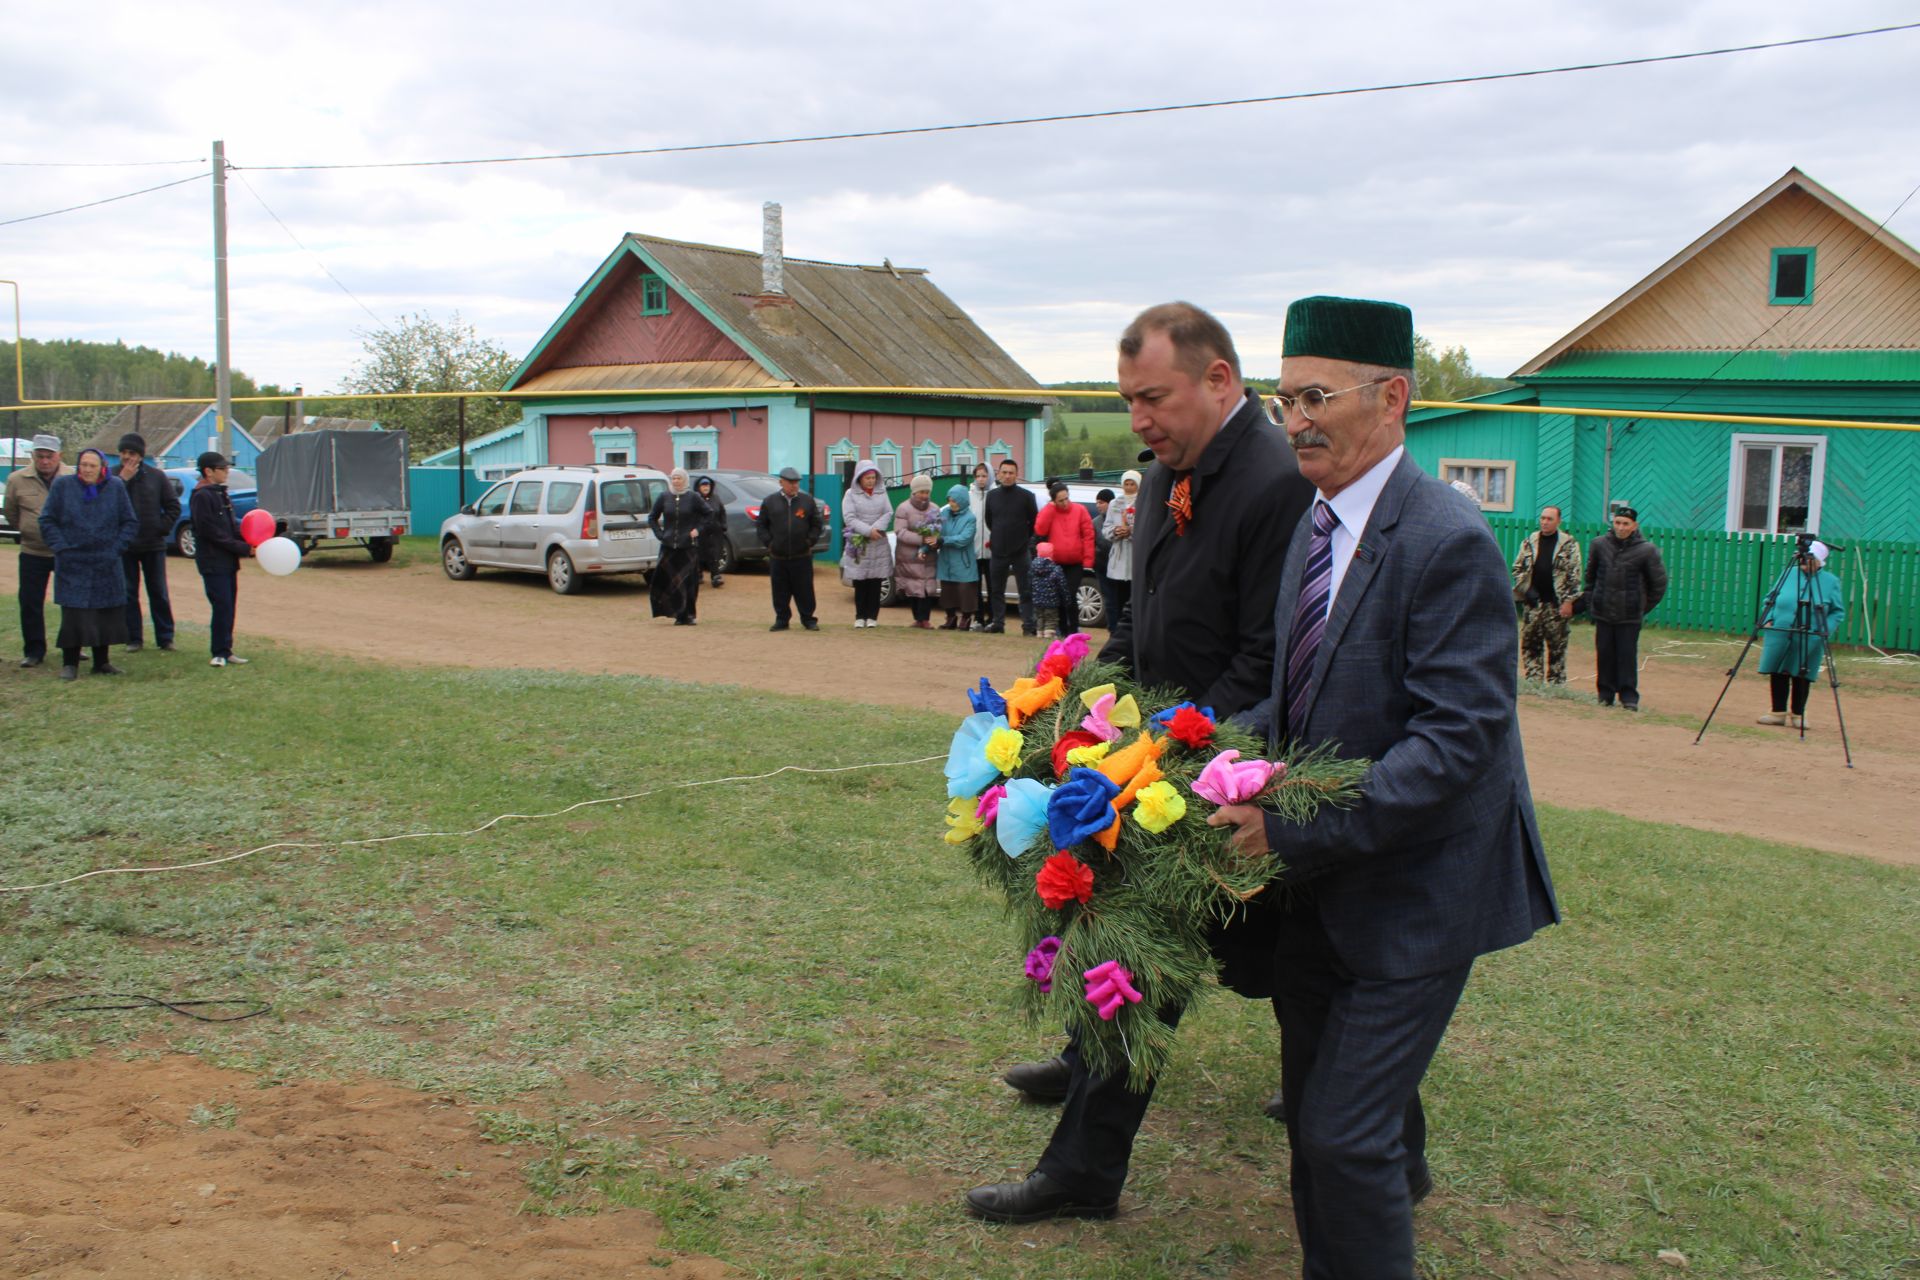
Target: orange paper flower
<point>1121,765</point>
<point>1029,697</point>
<point>1148,775</point>
<point>1110,838</point>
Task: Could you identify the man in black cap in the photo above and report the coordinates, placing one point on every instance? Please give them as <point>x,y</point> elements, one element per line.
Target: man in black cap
<point>789,523</point>
<point>26,494</point>
<point>1625,580</point>
<point>157,509</point>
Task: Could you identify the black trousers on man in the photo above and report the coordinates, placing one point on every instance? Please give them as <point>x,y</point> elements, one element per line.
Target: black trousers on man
<point>1616,651</point>
<point>35,573</point>
<point>153,564</point>
<point>792,587</point>
<point>223,595</point>
<point>997,569</point>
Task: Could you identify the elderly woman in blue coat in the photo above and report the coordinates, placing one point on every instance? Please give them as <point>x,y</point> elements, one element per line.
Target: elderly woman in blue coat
<point>88,521</point>
<point>958,561</point>
<point>1807,609</point>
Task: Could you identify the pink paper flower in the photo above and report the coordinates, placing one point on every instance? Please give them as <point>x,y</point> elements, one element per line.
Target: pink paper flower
<point>1073,648</point>
<point>1040,963</point>
<point>1109,987</point>
<point>1229,780</point>
<point>989,807</point>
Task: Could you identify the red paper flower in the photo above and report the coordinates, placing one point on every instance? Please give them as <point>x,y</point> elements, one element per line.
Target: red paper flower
<point>1058,664</point>
<point>1191,728</point>
<point>1068,741</point>
<point>1064,878</point>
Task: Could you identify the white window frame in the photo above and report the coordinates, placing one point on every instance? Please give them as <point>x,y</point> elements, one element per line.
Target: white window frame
<point>1486,464</point>
<point>1816,487</point>
<point>998,452</point>
<point>926,458</point>
<point>695,438</point>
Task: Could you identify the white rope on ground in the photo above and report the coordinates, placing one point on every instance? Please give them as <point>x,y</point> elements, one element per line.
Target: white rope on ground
<point>473,831</point>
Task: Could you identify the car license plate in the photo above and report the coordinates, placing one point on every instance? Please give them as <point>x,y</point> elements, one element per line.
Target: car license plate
<point>624,533</point>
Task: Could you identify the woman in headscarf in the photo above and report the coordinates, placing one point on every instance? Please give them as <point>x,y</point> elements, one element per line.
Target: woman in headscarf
<point>88,521</point>
<point>713,536</point>
<point>977,504</point>
<point>1119,532</point>
<point>1807,609</point>
<point>867,561</point>
<point>677,519</point>
<point>959,582</point>
<point>917,533</point>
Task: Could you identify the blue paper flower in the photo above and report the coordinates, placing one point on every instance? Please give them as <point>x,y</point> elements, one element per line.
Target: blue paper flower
<point>1081,807</point>
<point>968,770</point>
<point>1164,718</point>
<point>985,699</point>
<point>1023,815</point>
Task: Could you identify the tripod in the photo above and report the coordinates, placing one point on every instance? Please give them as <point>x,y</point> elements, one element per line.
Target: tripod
<point>1809,623</point>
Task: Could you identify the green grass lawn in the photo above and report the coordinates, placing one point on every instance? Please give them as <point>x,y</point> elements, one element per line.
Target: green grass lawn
<point>655,999</point>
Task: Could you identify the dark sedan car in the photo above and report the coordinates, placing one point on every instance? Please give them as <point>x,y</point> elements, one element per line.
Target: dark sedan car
<point>742,492</point>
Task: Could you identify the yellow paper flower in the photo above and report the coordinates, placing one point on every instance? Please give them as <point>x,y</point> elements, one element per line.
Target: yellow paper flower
<point>1094,695</point>
<point>1003,749</point>
<point>962,823</point>
<point>1089,755</point>
<point>1158,807</point>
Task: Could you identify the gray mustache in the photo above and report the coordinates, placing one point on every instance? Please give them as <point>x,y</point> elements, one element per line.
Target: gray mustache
<point>1306,438</point>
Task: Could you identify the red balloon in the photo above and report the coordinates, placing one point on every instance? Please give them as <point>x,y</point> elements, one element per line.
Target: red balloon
<point>256,527</point>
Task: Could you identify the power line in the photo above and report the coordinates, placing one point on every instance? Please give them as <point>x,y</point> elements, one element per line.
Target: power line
<point>1108,115</point>
<point>109,200</point>
<point>296,239</point>
<point>94,164</point>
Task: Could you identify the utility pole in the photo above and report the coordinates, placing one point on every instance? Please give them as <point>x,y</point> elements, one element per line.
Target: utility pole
<point>222,353</point>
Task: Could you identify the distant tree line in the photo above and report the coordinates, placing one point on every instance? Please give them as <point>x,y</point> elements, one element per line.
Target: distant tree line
<point>70,369</point>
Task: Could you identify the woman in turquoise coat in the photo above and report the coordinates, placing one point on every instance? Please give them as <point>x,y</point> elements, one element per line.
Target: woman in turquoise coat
<point>1807,608</point>
<point>958,564</point>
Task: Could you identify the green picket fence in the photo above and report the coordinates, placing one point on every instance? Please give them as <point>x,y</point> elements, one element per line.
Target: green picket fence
<point>1717,581</point>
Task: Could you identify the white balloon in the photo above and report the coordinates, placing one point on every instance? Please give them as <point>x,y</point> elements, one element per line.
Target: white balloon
<point>278,556</point>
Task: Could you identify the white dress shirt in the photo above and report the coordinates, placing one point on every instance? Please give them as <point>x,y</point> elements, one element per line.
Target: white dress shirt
<point>1354,507</point>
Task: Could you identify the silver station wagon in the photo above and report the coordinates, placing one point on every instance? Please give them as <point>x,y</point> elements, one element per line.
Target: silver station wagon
<point>564,521</point>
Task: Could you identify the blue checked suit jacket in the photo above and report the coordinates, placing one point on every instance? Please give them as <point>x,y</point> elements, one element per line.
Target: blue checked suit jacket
<point>1440,861</point>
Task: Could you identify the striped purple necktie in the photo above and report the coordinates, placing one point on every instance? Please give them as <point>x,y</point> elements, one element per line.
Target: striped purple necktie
<point>1310,617</point>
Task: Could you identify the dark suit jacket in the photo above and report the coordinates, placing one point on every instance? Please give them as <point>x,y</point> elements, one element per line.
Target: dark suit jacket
<point>1440,861</point>
<point>1201,614</point>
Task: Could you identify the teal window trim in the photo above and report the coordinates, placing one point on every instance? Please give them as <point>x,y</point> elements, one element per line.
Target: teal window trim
<point>653,296</point>
<point>1774,296</point>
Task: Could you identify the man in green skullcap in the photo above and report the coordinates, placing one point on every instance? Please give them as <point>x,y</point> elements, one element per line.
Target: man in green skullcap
<point>1394,642</point>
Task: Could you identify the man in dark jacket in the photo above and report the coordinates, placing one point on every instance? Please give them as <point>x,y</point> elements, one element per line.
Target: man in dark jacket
<point>157,510</point>
<point>1214,517</point>
<point>789,523</point>
<point>1625,580</point>
<point>218,551</point>
<point>1011,511</point>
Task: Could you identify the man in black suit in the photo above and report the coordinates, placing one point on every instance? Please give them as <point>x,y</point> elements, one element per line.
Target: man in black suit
<point>1212,522</point>
<point>1395,641</point>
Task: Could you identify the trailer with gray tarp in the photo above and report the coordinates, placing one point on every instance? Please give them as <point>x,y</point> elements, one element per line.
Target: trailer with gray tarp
<point>329,489</point>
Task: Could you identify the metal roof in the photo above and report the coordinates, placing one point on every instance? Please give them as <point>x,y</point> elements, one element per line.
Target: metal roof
<point>161,424</point>
<point>677,374</point>
<point>1741,366</point>
<point>267,430</point>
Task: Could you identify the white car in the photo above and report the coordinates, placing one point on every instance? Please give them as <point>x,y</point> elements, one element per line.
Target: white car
<point>567,522</point>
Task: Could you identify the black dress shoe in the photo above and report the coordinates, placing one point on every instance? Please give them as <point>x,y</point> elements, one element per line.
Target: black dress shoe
<point>1042,1081</point>
<point>1035,1200</point>
<point>166,646</point>
<point>811,626</point>
<point>31,662</point>
<point>994,630</point>
<point>69,673</point>
<point>778,626</point>
<point>1276,1108</point>
<point>108,669</point>
<point>135,646</point>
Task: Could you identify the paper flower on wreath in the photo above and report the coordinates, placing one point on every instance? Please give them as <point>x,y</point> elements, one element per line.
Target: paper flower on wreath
<point>989,806</point>
<point>1073,648</point>
<point>968,769</point>
<point>985,699</point>
<point>1165,718</point>
<point>1040,963</point>
<point>1003,749</point>
<point>1022,815</point>
<point>1093,753</point>
<point>1159,806</point>
<point>1121,765</point>
<point>1229,780</point>
<point>963,823</point>
<point>1057,664</point>
<point>1029,697</point>
<point>1191,728</point>
<point>1109,988</point>
<point>1063,878</point>
<point>1063,750</point>
<point>1108,717</point>
<point>1080,808</point>
<point>1148,775</point>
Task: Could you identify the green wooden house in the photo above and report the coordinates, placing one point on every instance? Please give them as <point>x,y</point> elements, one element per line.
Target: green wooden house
<point>1796,305</point>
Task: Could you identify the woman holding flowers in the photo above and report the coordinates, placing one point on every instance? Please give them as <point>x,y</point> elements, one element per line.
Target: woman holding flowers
<point>867,561</point>
<point>917,533</point>
<point>958,561</point>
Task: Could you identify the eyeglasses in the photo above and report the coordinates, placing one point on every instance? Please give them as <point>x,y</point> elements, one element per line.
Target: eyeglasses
<point>1309,402</point>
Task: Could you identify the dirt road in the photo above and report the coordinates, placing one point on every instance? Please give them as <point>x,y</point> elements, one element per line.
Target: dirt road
<point>1739,779</point>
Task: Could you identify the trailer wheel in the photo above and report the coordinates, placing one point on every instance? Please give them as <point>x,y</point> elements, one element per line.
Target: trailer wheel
<point>381,549</point>
<point>560,574</point>
<point>453,558</point>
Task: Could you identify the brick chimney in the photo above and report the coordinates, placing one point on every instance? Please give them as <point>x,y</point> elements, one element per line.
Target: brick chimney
<point>772,253</point>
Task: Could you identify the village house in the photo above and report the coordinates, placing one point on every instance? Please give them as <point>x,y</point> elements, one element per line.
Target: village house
<point>176,435</point>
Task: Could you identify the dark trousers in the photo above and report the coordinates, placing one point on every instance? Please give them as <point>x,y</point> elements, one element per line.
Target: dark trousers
<point>997,569</point>
<point>35,573</point>
<point>1070,599</point>
<point>1616,651</point>
<point>922,608</point>
<point>223,593</point>
<point>71,657</point>
<point>1117,592</point>
<point>792,588</point>
<point>1093,1139</point>
<point>982,564</point>
<point>1799,685</point>
<point>1352,1053</point>
<point>154,565</point>
<point>866,597</point>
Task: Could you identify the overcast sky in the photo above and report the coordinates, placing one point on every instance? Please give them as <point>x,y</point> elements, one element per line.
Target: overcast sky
<point>1503,214</point>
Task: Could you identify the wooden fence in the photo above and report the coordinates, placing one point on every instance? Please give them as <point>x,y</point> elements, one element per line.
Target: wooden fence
<point>1717,581</point>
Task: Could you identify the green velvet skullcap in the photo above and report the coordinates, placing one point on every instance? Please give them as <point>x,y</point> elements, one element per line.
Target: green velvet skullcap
<point>1357,330</point>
